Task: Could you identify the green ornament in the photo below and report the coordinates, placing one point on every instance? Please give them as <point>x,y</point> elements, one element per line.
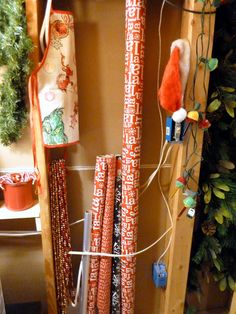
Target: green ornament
<point>179,185</point>
<point>212,64</point>
<point>189,202</point>
<point>180,182</point>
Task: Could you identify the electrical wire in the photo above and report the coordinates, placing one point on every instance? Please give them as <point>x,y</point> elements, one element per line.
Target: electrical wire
<point>158,71</point>
<point>170,218</point>
<point>152,176</point>
<point>19,233</point>
<point>77,222</point>
<point>122,255</point>
<point>80,273</point>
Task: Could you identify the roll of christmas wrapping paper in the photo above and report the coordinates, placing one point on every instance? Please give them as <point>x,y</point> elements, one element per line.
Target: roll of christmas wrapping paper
<point>134,64</point>
<point>104,281</point>
<point>98,204</point>
<point>116,249</point>
<point>60,234</point>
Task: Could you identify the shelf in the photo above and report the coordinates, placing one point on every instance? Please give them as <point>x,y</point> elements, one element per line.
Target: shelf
<point>32,212</point>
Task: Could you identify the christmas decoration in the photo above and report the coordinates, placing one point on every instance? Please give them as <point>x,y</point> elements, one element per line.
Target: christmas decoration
<point>174,80</point>
<point>180,182</point>
<point>54,82</point>
<point>193,116</point>
<point>189,202</point>
<point>14,62</point>
<point>204,124</point>
<point>179,115</point>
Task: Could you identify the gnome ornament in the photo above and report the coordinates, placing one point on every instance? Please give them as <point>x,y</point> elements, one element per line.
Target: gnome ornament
<point>171,93</point>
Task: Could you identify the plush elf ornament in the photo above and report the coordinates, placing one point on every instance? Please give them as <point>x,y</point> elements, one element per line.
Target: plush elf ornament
<point>171,93</point>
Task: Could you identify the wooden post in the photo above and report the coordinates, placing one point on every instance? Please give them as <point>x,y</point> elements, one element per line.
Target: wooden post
<point>233,304</point>
<point>173,298</point>
<point>32,7</point>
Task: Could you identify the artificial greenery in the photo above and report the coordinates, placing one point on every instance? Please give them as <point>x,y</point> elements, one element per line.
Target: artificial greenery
<point>214,242</point>
<point>15,46</point>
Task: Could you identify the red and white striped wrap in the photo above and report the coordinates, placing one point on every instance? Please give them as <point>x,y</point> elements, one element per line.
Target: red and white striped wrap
<point>134,64</point>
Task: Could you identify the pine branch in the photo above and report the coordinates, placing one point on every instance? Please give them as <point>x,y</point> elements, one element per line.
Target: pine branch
<point>14,51</point>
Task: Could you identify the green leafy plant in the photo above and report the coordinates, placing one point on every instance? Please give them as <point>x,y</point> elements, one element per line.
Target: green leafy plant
<point>15,66</point>
<point>214,245</point>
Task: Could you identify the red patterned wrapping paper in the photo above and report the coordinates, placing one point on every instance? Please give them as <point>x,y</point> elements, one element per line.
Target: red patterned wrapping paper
<point>61,239</point>
<point>98,205</point>
<point>134,64</point>
<point>104,282</point>
<point>116,271</point>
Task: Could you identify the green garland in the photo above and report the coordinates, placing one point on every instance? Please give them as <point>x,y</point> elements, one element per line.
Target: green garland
<point>15,46</point>
<point>214,244</point>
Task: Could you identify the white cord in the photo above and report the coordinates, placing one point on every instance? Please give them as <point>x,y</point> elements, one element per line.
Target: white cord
<point>162,135</point>
<point>160,165</point>
<point>151,177</point>
<point>122,255</point>
<point>19,233</point>
<point>165,200</point>
<point>158,70</point>
<point>77,222</point>
<point>166,250</point>
<point>170,217</point>
<point>74,304</point>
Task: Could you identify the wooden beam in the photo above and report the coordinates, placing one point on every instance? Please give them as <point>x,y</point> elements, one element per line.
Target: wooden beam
<point>233,304</point>
<point>32,10</point>
<point>173,298</point>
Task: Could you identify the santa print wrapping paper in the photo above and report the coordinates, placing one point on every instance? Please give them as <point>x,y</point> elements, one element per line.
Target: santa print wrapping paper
<point>98,205</point>
<point>104,281</point>
<point>134,64</point>
<point>116,271</point>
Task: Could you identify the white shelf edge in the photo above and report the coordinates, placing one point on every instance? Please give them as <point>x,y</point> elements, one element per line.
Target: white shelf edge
<point>32,212</point>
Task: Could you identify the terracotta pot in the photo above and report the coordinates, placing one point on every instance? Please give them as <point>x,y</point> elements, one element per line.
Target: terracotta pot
<point>18,196</point>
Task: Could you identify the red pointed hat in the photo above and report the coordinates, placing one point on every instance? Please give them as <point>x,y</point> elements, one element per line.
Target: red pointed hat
<point>171,93</point>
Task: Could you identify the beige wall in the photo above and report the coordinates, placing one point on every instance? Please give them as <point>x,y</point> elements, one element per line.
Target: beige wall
<point>100,58</point>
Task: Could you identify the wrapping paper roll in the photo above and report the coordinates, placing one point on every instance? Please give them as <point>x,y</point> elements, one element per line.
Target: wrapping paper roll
<point>98,205</point>
<point>104,282</point>
<point>116,267</point>
<point>60,234</point>
<point>134,64</point>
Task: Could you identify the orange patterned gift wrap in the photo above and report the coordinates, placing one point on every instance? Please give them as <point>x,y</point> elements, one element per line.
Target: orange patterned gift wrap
<point>104,282</point>
<point>98,205</point>
<point>134,64</point>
